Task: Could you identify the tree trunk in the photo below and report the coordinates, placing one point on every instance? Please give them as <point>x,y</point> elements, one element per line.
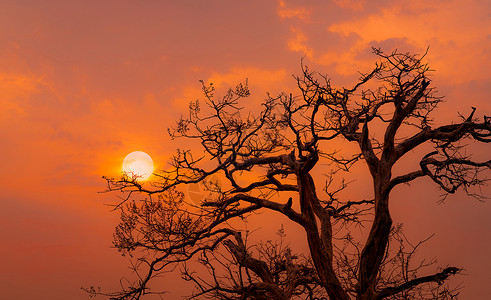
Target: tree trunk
<point>320,244</point>
<point>374,251</point>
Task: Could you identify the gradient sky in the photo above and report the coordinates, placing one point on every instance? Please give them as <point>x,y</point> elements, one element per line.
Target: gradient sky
<point>83,83</point>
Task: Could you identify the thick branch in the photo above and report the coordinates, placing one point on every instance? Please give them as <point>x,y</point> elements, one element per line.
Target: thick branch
<point>260,202</point>
<point>438,278</point>
<point>446,133</point>
<point>246,260</point>
<point>400,114</point>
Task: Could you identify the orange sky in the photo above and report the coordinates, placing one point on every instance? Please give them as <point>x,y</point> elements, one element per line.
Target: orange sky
<point>83,83</point>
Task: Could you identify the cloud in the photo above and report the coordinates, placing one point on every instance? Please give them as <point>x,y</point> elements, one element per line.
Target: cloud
<point>14,89</point>
<point>299,43</point>
<point>298,12</point>
<point>455,32</point>
<point>351,4</point>
<point>340,35</point>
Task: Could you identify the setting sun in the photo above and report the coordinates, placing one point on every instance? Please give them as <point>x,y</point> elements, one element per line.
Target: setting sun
<point>138,164</point>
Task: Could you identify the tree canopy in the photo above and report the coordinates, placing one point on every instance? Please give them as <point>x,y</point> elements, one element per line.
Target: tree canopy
<point>253,160</point>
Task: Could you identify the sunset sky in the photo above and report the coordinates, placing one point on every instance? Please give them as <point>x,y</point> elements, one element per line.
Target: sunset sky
<point>83,83</point>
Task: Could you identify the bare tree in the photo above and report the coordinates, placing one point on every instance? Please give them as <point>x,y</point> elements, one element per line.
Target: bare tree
<point>265,161</point>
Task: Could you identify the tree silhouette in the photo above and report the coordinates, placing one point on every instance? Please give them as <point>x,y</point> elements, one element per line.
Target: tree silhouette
<point>264,159</point>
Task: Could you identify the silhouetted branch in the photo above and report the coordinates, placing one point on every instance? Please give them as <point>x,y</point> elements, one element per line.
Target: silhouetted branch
<point>439,278</point>
<point>264,160</point>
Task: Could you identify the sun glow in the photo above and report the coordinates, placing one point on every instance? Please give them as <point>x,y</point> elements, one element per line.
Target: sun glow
<point>138,165</point>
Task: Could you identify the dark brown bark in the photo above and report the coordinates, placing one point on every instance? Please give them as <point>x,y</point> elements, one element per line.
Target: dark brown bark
<point>376,244</point>
<point>439,278</point>
<point>320,242</point>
